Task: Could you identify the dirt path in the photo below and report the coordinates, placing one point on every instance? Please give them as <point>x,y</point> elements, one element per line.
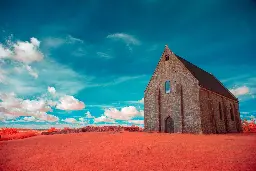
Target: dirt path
<point>130,152</point>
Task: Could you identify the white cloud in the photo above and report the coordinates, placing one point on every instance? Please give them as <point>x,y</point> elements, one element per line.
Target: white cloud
<point>126,38</point>
<point>18,70</point>
<point>137,102</point>
<point>51,103</point>
<point>141,112</point>
<point>115,81</point>
<point>126,113</point>
<point>104,119</point>
<point>53,42</point>
<point>245,113</point>
<point>81,119</point>
<point>42,116</point>
<point>11,105</point>
<point>74,121</point>
<point>141,101</point>
<point>21,85</point>
<point>6,117</point>
<point>104,55</point>
<point>39,117</point>
<point>4,52</point>
<point>9,101</point>
<point>126,78</point>
<point>66,79</point>
<point>79,52</point>
<point>21,53</point>
<point>71,39</point>
<point>17,80</point>
<point>35,41</point>
<point>88,115</point>
<point>70,120</point>
<point>31,71</point>
<point>29,118</point>
<point>51,90</point>
<point>102,106</point>
<point>36,110</point>
<point>235,78</point>
<point>240,91</point>
<point>2,76</point>
<point>35,105</point>
<point>27,52</point>
<point>70,103</point>
<point>129,39</point>
<point>137,122</point>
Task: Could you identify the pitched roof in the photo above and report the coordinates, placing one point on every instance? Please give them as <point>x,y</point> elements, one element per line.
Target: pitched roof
<point>207,80</point>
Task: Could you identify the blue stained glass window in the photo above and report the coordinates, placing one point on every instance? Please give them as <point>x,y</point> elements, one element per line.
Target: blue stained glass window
<point>167,87</point>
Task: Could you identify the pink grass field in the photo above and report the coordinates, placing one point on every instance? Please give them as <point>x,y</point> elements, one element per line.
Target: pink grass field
<point>130,151</point>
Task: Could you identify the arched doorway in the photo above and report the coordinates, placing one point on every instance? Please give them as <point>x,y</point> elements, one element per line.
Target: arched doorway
<point>169,125</point>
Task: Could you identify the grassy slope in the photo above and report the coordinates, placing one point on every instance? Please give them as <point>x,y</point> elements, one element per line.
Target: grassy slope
<point>130,151</point>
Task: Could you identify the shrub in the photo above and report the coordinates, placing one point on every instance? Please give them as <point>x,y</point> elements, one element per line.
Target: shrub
<point>8,131</point>
<point>13,133</point>
<point>249,126</point>
<point>52,129</point>
<point>93,129</point>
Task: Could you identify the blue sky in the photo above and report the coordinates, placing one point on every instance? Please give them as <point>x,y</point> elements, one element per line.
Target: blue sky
<point>67,63</point>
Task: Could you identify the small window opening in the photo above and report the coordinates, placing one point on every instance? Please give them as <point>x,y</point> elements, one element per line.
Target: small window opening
<point>167,87</point>
<point>231,113</point>
<point>220,109</point>
<point>166,57</point>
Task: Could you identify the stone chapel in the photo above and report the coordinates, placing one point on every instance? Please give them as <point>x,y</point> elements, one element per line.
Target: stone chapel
<point>183,98</point>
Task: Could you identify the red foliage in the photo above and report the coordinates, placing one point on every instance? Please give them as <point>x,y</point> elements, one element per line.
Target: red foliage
<point>14,133</point>
<point>133,128</point>
<point>8,131</point>
<point>93,129</point>
<point>66,128</point>
<point>110,128</point>
<point>52,129</point>
<point>249,126</point>
<point>19,135</point>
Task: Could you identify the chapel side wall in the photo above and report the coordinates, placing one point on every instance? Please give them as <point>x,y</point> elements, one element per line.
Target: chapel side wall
<point>233,125</point>
<point>213,110</point>
<point>205,116</point>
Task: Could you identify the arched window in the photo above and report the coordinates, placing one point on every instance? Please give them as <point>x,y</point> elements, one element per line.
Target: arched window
<point>231,113</point>
<point>167,87</point>
<point>220,109</point>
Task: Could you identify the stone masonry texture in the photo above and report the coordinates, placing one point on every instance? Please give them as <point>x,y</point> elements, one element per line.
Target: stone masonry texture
<point>192,108</point>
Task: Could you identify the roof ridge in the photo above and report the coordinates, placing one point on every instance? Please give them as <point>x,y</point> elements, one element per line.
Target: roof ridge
<point>194,65</point>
